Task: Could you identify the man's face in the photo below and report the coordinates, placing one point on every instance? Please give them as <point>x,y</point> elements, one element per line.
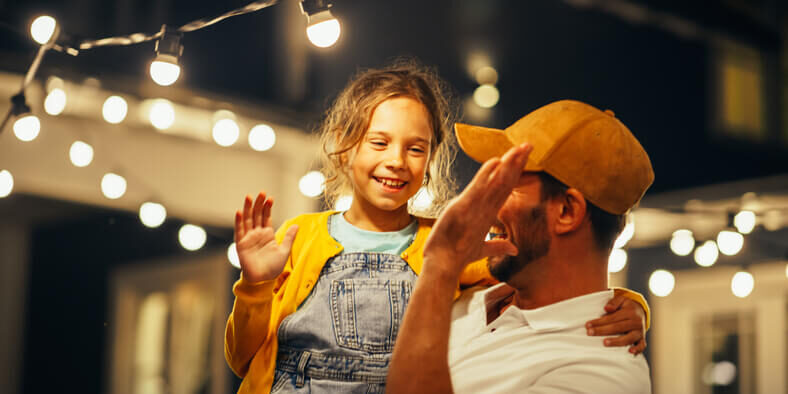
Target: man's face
<point>523,221</point>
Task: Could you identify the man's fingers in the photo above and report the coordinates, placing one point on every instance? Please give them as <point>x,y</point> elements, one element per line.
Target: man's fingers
<point>624,340</point>
<point>615,303</point>
<point>257,211</point>
<point>239,227</point>
<point>615,328</point>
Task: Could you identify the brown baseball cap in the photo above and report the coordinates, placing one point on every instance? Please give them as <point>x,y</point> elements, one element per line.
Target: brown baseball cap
<point>581,146</point>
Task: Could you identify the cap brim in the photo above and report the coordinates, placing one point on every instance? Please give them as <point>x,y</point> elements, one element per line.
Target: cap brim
<point>481,143</point>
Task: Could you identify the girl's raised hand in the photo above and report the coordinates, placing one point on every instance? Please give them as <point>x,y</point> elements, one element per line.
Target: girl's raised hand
<point>626,320</point>
<point>261,257</point>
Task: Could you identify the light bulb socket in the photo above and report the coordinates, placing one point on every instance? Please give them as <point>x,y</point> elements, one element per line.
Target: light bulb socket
<point>168,47</point>
<point>316,8</point>
<point>19,105</point>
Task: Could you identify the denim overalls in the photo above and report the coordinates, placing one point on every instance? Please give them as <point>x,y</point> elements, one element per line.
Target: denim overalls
<point>341,338</point>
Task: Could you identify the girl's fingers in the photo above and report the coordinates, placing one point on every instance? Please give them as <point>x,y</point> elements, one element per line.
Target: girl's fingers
<point>247,216</point>
<point>257,211</point>
<point>266,217</point>
<point>239,227</point>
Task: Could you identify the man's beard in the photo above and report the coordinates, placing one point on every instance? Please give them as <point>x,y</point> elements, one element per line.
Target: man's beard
<point>533,243</point>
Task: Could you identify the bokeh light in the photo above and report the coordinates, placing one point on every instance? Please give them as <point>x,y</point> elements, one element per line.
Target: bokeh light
<point>744,221</point>
<point>343,203</point>
<point>27,127</point>
<point>682,242</point>
<point>661,283</point>
<point>617,260</point>
<point>225,132</point>
<point>742,284</point>
<point>113,186</point>
<point>486,96</point>
<point>152,214</point>
<point>729,242</point>
<point>55,102</point>
<point>706,254</point>
<point>262,137</point>
<point>232,255</point>
<point>114,109</point>
<point>192,237</point>
<point>162,114</point>
<point>7,185</point>
<point>312,184</point>
<point>81,154</point>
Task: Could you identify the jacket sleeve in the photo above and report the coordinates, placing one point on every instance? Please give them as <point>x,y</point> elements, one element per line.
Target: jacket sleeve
<point>637,297</point>
<point>248,326</point>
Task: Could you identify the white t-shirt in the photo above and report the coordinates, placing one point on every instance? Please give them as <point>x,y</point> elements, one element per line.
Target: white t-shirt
<point>544,350</point>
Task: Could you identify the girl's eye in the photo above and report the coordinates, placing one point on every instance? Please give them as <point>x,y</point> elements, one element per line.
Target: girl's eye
<point>378,142</point>
<point>417,149</point>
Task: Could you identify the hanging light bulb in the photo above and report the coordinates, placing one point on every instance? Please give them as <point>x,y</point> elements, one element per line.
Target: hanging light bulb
<point>43,28</point>
<point>730,242</point>
<point>164,69</point>
<point>113,186</point>
<point>232,255</point>
<point>7,186</point>
<point>322,29</point>
<point>81,154</point>
<point>192,237</point>
<point>262,137</point>
<point>742,284</point>
<point>617,260</point>
<point>627,233</point>
<point>152,214</point>
<point>661,283</point>
<point>114,109</point>
<point>162,114</point>
<point>706,255</point>
<point>312,184</point>
<point>27,126</point>
<point>682,242</point>
<point>744,221</point>
<point>225,130</point>
<point>55,102</point>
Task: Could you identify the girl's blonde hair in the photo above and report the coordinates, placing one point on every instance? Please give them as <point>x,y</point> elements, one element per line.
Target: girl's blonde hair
<point>348,119</point>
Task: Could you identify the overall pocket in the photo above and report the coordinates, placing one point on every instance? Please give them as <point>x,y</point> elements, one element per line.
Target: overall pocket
<point>367,313</point>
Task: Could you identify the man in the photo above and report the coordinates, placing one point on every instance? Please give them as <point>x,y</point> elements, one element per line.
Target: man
<point>553,189</point>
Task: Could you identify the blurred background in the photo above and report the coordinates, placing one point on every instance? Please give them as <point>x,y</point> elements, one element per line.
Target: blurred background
<point>116,205</point>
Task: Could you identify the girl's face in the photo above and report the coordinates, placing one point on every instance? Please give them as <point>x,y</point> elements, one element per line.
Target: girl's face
<point>390,161</point>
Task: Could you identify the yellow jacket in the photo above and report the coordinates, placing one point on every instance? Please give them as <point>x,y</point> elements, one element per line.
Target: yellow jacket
<point>251,346</point>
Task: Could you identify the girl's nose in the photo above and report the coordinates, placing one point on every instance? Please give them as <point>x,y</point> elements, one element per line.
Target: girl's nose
<point>395,160</point>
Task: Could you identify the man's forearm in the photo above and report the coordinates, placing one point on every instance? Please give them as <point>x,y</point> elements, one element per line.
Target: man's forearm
<point>420,361</point>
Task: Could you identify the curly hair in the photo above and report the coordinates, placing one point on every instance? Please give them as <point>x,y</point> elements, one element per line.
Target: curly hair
<point>347,120</point>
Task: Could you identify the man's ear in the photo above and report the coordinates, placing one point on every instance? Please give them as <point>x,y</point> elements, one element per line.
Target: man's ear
<point>572,211</point>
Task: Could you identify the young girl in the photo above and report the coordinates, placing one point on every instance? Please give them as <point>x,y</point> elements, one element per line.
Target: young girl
<point>319,303</point>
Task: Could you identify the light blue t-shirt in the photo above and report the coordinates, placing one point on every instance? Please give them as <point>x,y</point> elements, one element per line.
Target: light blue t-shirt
<point>354,239</point>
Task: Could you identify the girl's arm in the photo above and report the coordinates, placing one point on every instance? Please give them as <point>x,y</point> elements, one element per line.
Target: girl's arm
<point>627,318</point>
<point>263,256</point>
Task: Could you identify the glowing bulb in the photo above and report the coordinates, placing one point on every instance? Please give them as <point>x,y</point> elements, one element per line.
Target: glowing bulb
<point>343,203</point>
<point>43,28</point>
<point>744,221</point>
<point>682,242</point>
<point>742,284</point>
<point>192,237</point>
<point>81,154</point>
<point>617,260</point>
<point>113,186</point>
<point>162,114</point>
<point>323,30</point>
<point>55,102</point>
<point>626,234</point>
<point>486,76</point>
<point>27,127</point>
<point>661,283</point>
<point>312,184</point>
<point>226,132</point>
<point>706,255</point>
<point>730,242</point>
<point>232,255</point>
<point>164,73</point>
<point>423,200</point>
<point>262,137</point>
<point>152,214</point>
<point>7,186</point>
<point>486,96</point>
<point>786,270</point>
<point>115,109</point>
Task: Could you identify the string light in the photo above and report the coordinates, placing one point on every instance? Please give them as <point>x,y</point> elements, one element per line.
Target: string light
<point>114,109</point>
<point>661,283</point>
<point>43,28</point>
<point>706,255</point>
<point>27,126</point>
<point>55,102</point>
<point>113,186</point>
<point>192,237</point>
<point>262,137</point>
<point>7,186</point>
<point>486,96</point>
<point>742,284</point>
<point>617,260</point>
<point>343,203</point>
<point>627,233</point>
<point>225,132</point>
<point>729,242</point>
<point>744,221</point>
<point>232,255</point>
<point>162,114</point>
<point>81,154</point>
<point>164,69</point>
<point>682,242</point>
<point>152,214</point>
<point>312,184</point>
<point>322,29</point>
